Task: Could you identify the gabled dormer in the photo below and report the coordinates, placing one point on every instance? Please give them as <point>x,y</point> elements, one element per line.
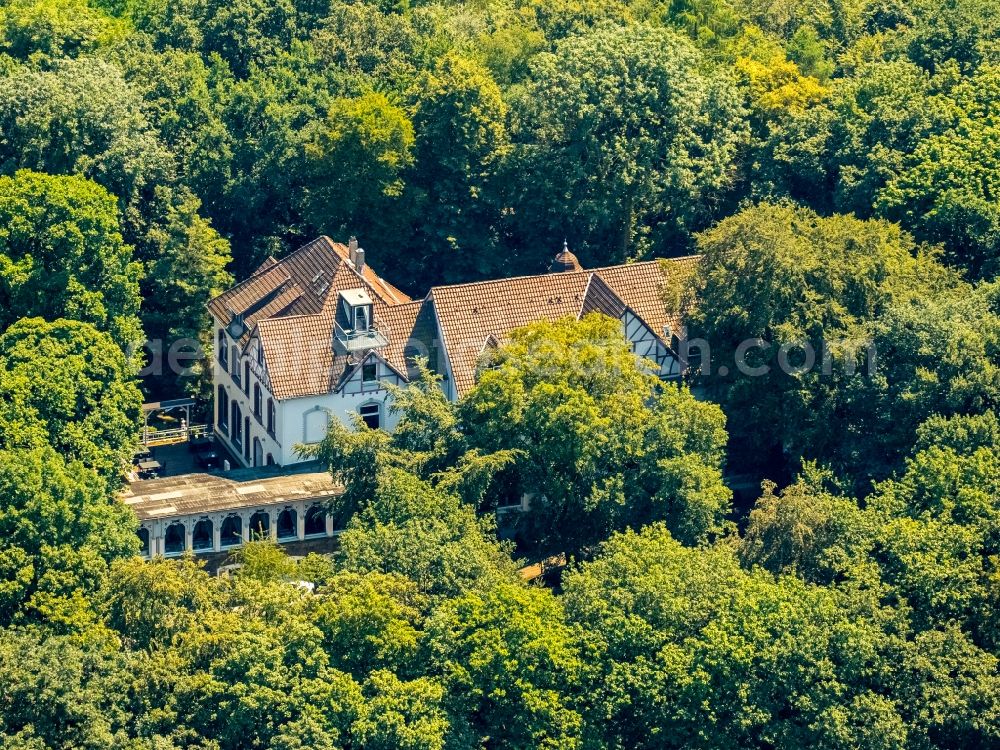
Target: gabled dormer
<point>354,326</point>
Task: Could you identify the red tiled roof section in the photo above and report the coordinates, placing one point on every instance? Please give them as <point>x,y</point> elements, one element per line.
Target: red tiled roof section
<point>641,286</point>
<point>411,331</point>
<point>389,293</point>
<point>298,352</point>
<point>298,349</point>
<point>471,313</point>
<point>268,263</point>
<point>299,284</point>
<point>601,298</point>
<point>292,305</point>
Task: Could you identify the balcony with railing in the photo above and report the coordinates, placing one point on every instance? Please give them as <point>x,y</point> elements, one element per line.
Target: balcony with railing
<point>350,341</point>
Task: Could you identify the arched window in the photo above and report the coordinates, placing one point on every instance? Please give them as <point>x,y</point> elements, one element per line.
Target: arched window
<point>260,524</point>
<point>201,537</point>
<point>246,438</point>
<point>258,400</point>
<point>222,350</point>
<point>317,422</point>
<point>173,539</point>
<point>372,415</point>
<point>270,417</point>
<point>258,452</point>
<point>144,542</point>
<point>223,409</point>
<point>287,524</point>
<point>232,531</point>
<point>246,377</point>
<point>315,521</point>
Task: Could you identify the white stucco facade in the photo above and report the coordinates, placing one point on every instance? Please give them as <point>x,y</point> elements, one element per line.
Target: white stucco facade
<point>263,439</point>
<point>267,437</point>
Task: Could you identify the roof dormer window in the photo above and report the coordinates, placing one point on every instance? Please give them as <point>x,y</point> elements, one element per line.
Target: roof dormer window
<point>355,310</point>
<point>362,318</point>
<point>356,328</point>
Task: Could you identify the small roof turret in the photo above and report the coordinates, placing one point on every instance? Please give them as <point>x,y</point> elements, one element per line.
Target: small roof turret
<point>565,261</point>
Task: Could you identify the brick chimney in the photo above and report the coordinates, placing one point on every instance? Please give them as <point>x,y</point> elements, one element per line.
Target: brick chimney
<point>357,255</point>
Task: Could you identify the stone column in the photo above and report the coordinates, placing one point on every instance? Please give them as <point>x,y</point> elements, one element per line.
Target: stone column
<point>300,522</point>
<point>245,526</point>
<point>272,525</point>
<point>189,535</point>
<point>217,534</point>
<point>329,524</point>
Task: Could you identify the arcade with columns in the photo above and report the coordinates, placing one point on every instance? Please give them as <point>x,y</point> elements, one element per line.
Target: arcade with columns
<point>205,514</point>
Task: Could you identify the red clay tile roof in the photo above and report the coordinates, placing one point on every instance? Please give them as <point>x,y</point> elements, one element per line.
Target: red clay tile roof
<point>641,287</point>
<point>412,332</point>
<point>268,263</point>
<point>299,284</point>
<point>292,305</point>
<point>468,314</point>
<point>298,353</point>
<point>298,349</point>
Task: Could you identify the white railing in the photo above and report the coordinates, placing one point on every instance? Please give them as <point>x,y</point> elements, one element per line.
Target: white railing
<point>353,341</point>
<point>151,436</point>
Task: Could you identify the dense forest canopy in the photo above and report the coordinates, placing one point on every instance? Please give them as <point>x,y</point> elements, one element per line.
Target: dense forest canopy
<point>835,163</point>
<point>466,140</point>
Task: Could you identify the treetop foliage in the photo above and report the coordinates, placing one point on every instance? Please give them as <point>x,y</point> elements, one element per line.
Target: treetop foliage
<point>834,163</point>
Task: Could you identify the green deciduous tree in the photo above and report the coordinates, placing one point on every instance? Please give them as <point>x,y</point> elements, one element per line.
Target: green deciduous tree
<point>601,443</point>
<point>83,118</point>
<point>813,533</point>
<point>511,665</point>
<point>428,535</point>
<point>939,525</point>
<point>947,194</point>
<point>60,530</point>
<point>623,142</point>
<point>690,650</point>
<point>62,255</point>
<point>777,279</point>
<point>955,31</point>
<point>371,621</point>
<point>61,691</point>
<point>45,30</point>
<point>839,155</point>
<point>356,158</point>
<point>71,385</point>
<point>461,135</point>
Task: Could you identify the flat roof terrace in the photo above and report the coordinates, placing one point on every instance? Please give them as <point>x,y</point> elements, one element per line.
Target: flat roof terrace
<point>202,493</point>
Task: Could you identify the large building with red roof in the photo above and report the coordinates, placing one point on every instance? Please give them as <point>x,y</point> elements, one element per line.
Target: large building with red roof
<point>318,335</point>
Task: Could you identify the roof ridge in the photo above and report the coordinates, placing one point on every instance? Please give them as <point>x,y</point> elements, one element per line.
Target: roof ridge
<point>278,265</point>
<point>563,274</point>
<point>384,289</point>
<point>483,282</point>
<point>692,256</point>
<point>586,291</point>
